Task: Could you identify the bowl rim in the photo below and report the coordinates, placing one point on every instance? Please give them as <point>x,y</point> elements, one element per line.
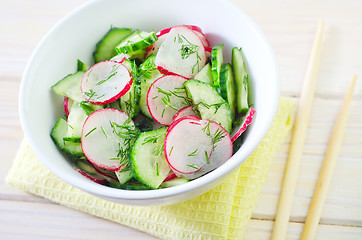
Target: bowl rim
<point>112,193</point>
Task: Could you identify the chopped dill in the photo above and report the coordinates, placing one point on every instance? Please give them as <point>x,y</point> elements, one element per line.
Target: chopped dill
<point>90,132</point>
<point>193,154</point>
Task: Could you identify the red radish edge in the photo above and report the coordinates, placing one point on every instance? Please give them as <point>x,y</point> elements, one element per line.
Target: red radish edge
<point>175,117</point>
<point>248,119</point>
<point>208,48</point>
<point>117,96</point>
<point>175,122</point>
<point>96,180</point>
<point>103,173</point>
<point>166,72</point>
<point>167,30</point>
<point>170,177</point>
<point>66,106</point>
<point>120,61</point>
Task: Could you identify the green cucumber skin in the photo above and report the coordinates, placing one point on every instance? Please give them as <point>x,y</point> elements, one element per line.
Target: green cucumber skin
<point>73,150</point>
<point>132,47</point>
<point>201,92</point>
<point>129,102</point>
<point>70,86</point>
<point>174,182</point>
<point>105,48</point>
<point>216,63</point>
<point>227,86</point>
<point>124,175</point>
<point>81,66</point>
<point>241,80</point>
<point>143,160</point>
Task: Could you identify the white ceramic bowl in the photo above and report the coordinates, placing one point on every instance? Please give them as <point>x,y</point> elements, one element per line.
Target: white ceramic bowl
<point>75,38</point>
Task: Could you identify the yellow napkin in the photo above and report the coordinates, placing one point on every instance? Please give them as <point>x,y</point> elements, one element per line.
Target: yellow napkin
<point>222,213</point>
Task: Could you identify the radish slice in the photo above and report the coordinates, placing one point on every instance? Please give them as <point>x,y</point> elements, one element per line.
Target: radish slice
<point>187,146</point>
<point>222,147</point>
<point>181,53</point>
<point>184,112</point>
<point>153,49</point>
<point>106,138</point>
<point>165,97</point>
<point>105,82</point>
<point>67,104</point>
<point>94,179</point>
<point>246,121</point>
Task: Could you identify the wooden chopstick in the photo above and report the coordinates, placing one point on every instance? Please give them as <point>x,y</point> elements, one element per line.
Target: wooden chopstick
<point>328,166</point>
<point>298,138</point>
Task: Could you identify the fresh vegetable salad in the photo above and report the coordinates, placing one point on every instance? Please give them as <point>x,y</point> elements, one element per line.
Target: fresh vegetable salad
<point>155,110</point>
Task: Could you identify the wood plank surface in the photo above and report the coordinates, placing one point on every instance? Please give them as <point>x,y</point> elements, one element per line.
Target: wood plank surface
<point>290,26</point>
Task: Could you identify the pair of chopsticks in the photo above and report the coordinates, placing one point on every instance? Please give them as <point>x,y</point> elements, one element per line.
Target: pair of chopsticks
<point>296,150</point>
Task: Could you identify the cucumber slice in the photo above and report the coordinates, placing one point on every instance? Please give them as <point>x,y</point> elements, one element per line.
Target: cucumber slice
<point>76,118</point>
<point>241,80</point>
<point>174,182</point>
<point>147,158</point>
<point>116,104</point>
<point>81,66</point>
<point>137,41</point>
<point>86,166</point>
<point>69,86</point>
<point>205,75</point>
<point>105,47</point>
<point>129,102</point>
<point>217,59</point>
<point>227,85</point>
<point>124,175</point>
<point>148,74</point>
<point>209,103</point>
<point>58,132</point>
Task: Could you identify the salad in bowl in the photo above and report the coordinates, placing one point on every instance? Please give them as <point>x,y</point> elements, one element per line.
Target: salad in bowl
<point>156,110</point>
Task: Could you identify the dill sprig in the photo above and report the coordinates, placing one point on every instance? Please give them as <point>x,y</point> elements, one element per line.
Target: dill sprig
<point>216,137</point>
<point>208,106</point>
<point>192,166</point>
<point>155,139</point>
<point>127,132</point>
<point>90,94</point>
<point>111,74</point>
<point>193,153</point>
<point>187,49</point>
<point>90,132</point>
<point>147,67</point>
<point>157,171</point>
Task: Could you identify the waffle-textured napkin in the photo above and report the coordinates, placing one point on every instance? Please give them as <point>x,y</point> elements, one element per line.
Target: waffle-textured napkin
<point>222,213</point>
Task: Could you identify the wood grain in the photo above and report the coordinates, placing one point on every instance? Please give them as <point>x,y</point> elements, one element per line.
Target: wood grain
<point>290,27</point>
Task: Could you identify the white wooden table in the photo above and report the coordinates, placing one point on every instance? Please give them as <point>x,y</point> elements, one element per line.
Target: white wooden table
<point>290,26</point>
